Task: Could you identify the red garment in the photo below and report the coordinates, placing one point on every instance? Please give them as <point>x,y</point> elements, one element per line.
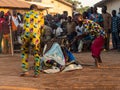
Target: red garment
<point>1,22</point>
<point>5,27</point>
<point>96,46</point>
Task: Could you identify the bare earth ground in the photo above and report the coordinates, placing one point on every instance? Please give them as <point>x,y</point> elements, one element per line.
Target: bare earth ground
<point>90,78</point>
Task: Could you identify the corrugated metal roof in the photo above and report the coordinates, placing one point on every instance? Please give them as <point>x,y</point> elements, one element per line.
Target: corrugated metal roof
<point>16,4</point>
<point>101,3</point>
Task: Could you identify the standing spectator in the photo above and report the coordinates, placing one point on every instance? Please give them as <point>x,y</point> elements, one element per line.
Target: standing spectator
<point>106,26</point>
<point>115,30</point>
<point>33,24</point>
<point>96,17</point>
<point>6,35</point>
<point>80,31</point>
<point>2,19</point>
<point>15,24</point>
<point>70,28</point>
<point>57,21</point>
<point>65,15</point>
<point>64,22</point>
<point>85,15</point>
<point>90,11</point>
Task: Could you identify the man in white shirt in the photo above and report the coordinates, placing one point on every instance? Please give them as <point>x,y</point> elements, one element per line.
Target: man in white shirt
<point>79,30</point>
<point>58,31</point>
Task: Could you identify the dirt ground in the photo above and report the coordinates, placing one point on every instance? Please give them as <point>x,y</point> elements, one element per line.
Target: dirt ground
<point>90,78</point>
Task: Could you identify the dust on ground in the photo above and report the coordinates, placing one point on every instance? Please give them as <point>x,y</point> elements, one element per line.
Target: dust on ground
<point>90,78</point>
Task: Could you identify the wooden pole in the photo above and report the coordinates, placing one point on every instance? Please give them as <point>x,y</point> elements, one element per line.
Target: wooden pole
<point>11,42</point>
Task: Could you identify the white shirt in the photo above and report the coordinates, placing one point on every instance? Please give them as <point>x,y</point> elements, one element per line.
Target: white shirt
<point>15,20</point>
<point>58,31</point>
<point>79,30</point>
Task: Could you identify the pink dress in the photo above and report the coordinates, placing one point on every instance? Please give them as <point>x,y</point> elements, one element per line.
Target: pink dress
<point>97,46</point>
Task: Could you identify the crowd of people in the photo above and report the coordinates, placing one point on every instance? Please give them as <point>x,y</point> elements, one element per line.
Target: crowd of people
<point>10,25</point>
<point>62,24</point>
<point>59,25</point>
<point>87,31</point>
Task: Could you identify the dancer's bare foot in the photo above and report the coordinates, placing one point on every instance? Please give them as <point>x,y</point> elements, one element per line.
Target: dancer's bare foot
<point>36,75</point>
<point>24,74</point>
<point>99,59</point>
<point>97,64</point>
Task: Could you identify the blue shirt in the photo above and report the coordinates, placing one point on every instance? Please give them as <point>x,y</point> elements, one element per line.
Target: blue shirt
<point>96,18</point>
<point>115,24</point>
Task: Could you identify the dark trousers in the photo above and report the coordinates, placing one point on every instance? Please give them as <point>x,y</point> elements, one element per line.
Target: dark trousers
<point>115,40</point>
<point>107,41</point>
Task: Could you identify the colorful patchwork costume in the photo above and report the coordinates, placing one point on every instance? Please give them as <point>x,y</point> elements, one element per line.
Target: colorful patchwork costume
<point>33,23</point>
<point>97,32</point>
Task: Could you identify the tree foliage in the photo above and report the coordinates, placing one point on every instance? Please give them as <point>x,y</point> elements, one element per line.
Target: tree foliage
<point>83,9</point>
<point>79,6</point>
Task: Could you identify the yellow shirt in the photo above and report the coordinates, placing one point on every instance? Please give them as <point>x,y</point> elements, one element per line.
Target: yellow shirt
<point>33,21</point>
